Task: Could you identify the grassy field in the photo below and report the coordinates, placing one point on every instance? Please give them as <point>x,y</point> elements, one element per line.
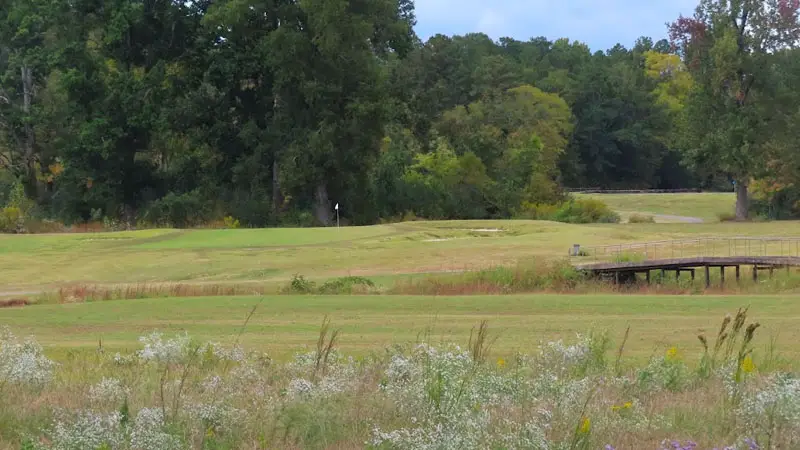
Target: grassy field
<point>284,324</point>
<point>170,394</point>
<point>706,206</point>
<point>39,262</point>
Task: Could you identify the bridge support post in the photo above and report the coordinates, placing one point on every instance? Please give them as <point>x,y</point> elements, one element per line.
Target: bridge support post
<point>738,270</point>
<point>692,270</point>
<point>722,275</point>
<point>677,274</point>
<point>771,271</point>
<point>708,277</point>
<point>755,273</point>
<point>647,276</point>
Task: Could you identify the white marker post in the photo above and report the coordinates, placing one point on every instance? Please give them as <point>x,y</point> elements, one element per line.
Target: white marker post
<point>337,215</point>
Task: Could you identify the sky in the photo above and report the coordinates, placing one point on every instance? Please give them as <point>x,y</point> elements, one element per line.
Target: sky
<point>599,23</point>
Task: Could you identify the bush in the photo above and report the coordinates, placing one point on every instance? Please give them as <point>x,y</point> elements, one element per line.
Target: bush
<point>231,223</point>
<point>10,218</point>
<point>346,285</point>
<point>638,218</point>
<point>573,211</point>
<point>726,217</point>
<point>178,210</point>
<point>299,285</point>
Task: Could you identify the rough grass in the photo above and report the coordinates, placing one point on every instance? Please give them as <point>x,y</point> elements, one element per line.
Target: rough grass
<point>585,392</point>
<point>707,205</point>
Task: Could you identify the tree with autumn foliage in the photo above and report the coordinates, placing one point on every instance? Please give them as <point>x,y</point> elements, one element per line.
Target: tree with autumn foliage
<point>727,123</point>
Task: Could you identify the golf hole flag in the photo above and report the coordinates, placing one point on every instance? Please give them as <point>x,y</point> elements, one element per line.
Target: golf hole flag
<point>336,207</point>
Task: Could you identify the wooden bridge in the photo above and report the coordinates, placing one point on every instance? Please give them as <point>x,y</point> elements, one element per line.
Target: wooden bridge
<point>623,262</point>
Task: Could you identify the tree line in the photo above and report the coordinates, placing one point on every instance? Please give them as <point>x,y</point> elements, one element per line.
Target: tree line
<point>270,111</point>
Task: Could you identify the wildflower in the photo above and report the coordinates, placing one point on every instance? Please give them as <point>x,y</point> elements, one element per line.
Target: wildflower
<point>609,447</point>
<point>752,444</point>
<point>622,407</point>
<point>23,362</point>
<point>107,390</point>
<point>672,354</point>
<point>747,365</point>
<point>586,425</point>
<point>501,363</point>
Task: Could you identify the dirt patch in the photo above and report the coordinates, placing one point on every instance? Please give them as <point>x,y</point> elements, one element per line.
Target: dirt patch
<point>14,303</point>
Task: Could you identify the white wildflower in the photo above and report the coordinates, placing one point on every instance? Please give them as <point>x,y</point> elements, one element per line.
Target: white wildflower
<point>775,406</point>
<point>23,362</point>
<point>300,388</point>
<point>87,429</point>
<point>218,415</point>
<point>107,390</point>
<point>148,432</point>
<point>168,351</point>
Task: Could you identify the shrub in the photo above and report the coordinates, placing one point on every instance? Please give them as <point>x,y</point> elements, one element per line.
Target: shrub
<point>178,210</point>
<point>346,285</point>
<point>726,217</point>
<point>231,223</point>
<point>586,211</point>
<point>299,285</point>
<point>573,211</point>
<point>638,218</point>
<point>10,218</point>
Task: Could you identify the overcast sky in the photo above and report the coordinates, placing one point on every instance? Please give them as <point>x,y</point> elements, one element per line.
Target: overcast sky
<point>598,23</point>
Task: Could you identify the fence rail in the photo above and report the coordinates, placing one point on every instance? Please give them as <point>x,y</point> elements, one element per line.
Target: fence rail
<point>689,248</point>
<point>631,191</point>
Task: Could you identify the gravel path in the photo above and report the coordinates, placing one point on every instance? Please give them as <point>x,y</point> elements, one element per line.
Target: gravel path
<point>681,219</point>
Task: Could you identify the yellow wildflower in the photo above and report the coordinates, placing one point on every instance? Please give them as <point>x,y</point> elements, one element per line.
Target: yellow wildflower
<point>616,408</point>
<point>627,405</point>
<point>672,354</point>
<point>747,365</point>
<point>586,425</point>
<point>501,363</point>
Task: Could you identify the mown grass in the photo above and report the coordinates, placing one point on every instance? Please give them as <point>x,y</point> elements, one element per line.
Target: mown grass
<point>48,262</point>
<point>706,205</point>
<point>282,324</point>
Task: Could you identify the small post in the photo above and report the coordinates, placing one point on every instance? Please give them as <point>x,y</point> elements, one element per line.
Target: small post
<point>677,274</point>
<point>722,275</point>
<point>755,273</point>
<point>708,277</point>
<point>647,276</point>
<point>663,275</point>
<point>771,271</point>
<point>692,270</point>
<point>738,270</point>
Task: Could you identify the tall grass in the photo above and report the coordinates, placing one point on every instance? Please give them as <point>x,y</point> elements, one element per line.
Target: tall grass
<point>562,277</point>
<point>94,293</point>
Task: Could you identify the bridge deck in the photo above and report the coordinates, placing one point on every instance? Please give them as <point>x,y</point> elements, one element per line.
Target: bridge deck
<point>694,262</point>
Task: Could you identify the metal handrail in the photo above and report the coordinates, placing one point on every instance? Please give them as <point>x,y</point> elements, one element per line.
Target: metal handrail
<point>704,246</point>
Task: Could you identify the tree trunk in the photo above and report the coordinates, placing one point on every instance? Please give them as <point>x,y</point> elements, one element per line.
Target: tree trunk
<point>29,143</point>
<point>742,201</point>
<point>277,197</point>
<point>322,206</point>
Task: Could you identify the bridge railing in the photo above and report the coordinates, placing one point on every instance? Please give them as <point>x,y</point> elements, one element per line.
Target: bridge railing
<point>688,248</point>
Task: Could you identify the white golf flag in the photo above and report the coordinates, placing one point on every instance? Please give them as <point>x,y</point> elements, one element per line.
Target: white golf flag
<point>337,207</point>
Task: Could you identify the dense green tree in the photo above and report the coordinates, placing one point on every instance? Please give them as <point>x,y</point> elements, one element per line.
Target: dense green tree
<point>729,112</point>
<point>180,113</point>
